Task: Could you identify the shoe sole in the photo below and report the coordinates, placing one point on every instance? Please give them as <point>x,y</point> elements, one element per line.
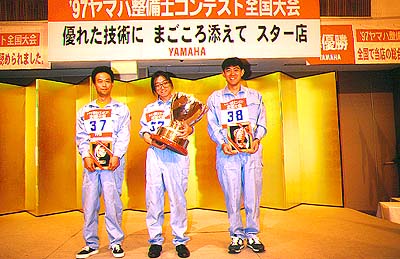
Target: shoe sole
<point>118,255</point>
<point>87,255</point>
<point>255,250</point>
<point>155,254</point>
<point>183,255</point>
<point>235,251</point>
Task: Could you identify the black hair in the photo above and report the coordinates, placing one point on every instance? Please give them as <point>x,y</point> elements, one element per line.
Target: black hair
<point>102,69</point>
<point>164,74</point>
<point>242,63</point>
<point>232,62</point>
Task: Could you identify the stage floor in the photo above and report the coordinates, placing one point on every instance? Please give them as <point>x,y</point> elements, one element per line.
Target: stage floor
<point>312,232</point>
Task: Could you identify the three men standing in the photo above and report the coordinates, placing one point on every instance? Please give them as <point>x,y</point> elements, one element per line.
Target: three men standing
<point>236,123</point>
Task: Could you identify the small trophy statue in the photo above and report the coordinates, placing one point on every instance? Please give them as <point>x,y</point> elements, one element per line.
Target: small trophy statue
<point>101,152</point>
<point>240,136</point>
<point>184,109</point>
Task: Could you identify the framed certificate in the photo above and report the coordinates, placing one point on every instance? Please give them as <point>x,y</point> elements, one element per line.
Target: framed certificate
<point>101,153</point>
<point>240,136</point>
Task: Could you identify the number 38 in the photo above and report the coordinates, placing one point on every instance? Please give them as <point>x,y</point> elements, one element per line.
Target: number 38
<point>235,115</point>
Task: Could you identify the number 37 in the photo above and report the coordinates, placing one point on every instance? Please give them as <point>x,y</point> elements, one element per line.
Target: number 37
<point>93,125</point>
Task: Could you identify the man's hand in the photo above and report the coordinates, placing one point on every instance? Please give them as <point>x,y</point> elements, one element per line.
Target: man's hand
<point>254,146</point>
<point>184,130</point>
<point>159,145</point>
<point>147,138</point>
<point>114,163</point>
<point>89,164</point>
<point>227,149</point>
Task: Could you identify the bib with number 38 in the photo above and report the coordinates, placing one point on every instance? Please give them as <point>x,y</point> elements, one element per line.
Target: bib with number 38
<point>234,111</point>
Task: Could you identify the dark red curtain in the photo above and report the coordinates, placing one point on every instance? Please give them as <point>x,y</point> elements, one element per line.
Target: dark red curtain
<point>348,8</point>
<point>23,10</point>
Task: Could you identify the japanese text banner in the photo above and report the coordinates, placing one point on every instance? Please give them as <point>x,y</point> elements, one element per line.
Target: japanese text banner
<point>198,39</point>
<point>23,45</point>
<point>181,29</point>
<point>337,46</point>
<point>365,43</point>
<point>377,45</point>
<point>117,10</point>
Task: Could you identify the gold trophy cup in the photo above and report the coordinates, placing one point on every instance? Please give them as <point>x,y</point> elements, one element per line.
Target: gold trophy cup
<point>184,109</point>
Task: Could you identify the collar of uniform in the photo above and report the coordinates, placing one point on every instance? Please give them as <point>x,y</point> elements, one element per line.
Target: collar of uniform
<point>93,104</point>
<point>160,102</point>
<point>226,90</point>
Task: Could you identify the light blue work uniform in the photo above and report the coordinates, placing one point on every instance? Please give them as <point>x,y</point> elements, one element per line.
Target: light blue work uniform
<point>240,175</point>
<point>165,171</point>
<point>115,128</point>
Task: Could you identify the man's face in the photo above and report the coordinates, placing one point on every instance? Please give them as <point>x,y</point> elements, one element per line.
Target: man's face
<point>103,84</point>
<point>233,75</point>
<point>163,87</point>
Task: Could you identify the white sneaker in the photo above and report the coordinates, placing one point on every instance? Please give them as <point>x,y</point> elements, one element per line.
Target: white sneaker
<point>255,244</point>
<point>236,245</point>
<point>117,251</point>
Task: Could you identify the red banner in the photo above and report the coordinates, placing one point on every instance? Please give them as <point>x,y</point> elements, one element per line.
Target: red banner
<point>337,45</point>
<point>113,10</point>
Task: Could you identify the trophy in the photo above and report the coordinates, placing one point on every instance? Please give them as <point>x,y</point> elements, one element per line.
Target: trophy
<point>184,109</point>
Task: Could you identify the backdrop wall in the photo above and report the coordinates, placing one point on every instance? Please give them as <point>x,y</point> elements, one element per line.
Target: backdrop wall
<point>301,150</point>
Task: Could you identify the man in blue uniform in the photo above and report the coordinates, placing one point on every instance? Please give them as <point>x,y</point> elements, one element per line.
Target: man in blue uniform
<point>102,138</point>
<point>166,170</point>
<point>232,110</point>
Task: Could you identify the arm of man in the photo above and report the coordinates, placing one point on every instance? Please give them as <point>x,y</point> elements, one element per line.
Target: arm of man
<point>261,129</point>
<point>122,137</point>
<point>215,129</point>
<point>82,142</point>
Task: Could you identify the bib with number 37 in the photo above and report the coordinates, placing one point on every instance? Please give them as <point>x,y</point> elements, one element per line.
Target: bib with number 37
<point>99,124</point>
